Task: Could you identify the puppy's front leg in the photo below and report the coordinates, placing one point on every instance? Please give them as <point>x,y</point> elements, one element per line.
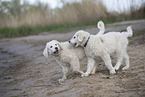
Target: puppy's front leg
<point>90,66</point>
<point>94,69</point>
<point>65,71</point>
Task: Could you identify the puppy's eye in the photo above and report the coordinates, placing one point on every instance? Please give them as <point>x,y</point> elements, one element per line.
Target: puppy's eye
<point>50,46</point>
<point>55,44</point>
<point>74,37</point>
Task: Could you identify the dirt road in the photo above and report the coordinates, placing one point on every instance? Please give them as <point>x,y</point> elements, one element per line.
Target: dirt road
<point>25,72</point>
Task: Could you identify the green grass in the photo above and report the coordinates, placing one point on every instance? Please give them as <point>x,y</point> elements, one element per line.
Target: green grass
<point>60,28</point>
<point>29,30</point>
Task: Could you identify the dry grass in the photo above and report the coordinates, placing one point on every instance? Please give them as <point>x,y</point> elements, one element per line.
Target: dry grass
<point>22,20</point>
<point>87,11</point>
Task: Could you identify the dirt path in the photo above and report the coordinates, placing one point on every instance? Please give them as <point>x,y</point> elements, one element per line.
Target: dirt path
<point>25,72</point>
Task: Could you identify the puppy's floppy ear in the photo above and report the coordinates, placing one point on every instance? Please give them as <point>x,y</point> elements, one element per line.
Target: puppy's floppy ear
<point>45,52</point>
<point>59,45</point>
<point>80,36</point>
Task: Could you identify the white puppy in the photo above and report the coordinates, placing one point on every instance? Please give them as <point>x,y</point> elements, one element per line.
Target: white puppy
<point>120,55</point>
<point>103,46</point>
<point>65,54</point>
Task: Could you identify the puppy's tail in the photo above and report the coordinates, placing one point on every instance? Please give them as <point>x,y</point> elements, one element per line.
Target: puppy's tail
<point>101,28</point>
<point>129,32</point>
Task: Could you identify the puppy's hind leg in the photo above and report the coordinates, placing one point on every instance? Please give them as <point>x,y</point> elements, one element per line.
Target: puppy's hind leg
<point>126,58</point>
<point>76,66</point>
<point>107,60</point>
<point>119,60</point>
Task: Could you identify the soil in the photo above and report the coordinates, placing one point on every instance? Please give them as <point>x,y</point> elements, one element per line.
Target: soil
<point>24,71</point>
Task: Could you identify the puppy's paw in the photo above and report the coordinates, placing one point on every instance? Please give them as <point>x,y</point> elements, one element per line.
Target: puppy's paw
<point>85,74</point>
<point>93,72</point>
<point>116,67</point>
<point>61,80</point>
<point>112,72</point>
<point>126,67</point>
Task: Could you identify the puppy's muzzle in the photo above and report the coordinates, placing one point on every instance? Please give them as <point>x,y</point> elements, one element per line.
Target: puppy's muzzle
<point>56,52</point>
<point>56,48</point>
<point>74,44</point>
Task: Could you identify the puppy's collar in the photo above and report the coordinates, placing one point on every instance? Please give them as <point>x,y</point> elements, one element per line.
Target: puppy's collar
<point>86,42</point>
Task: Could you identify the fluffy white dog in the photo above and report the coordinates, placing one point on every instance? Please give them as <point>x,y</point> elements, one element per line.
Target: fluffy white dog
<point>103,46</point>
<point>65,54</point>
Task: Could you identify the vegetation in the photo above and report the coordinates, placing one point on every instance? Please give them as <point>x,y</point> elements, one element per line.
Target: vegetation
<point>22,19</point>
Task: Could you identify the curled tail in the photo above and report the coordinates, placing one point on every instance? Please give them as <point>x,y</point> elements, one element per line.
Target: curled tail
<point>101,28</point>
<point>129,32</point>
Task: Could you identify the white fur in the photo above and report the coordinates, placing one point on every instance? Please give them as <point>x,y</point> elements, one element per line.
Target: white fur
<point>103,46</point>
<point>66,55</point>
<point>101,32</point>
<point>101,28</point>
<point>123,54</point>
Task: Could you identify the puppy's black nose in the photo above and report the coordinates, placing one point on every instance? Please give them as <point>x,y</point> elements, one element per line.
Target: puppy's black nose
<point>56,48</point>
<point>69,41</point>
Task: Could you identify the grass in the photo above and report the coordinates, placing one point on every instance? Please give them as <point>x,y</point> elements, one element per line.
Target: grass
<point>9,32</point>
<point>72,16</point>
<point>30,30</point>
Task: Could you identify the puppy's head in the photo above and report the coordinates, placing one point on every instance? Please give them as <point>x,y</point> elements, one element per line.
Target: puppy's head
<point>79,38</point>
<point>52,48</point>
